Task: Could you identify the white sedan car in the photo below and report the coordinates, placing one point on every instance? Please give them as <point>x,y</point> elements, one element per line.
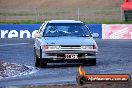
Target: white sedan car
<point>64,41</point>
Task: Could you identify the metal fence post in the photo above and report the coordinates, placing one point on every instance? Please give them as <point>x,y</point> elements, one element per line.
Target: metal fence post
<point>122,15</point>
<point>36,17</point>
<point>78,13</point>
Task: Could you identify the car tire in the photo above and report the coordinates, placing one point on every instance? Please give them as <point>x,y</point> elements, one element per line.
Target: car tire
<point>93,62</point>
<point>36,59</point>
<point>90,62</point>
<point>43,62</point>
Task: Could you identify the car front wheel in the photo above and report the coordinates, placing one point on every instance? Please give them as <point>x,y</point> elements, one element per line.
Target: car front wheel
<point>43,62</point>
<point>36,59</point>
<point>90,62</point>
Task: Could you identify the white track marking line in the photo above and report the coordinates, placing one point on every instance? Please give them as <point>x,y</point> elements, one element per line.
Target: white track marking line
<point>13,44</point>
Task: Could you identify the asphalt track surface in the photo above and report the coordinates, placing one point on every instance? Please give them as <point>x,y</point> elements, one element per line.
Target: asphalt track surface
<point>114,57</point>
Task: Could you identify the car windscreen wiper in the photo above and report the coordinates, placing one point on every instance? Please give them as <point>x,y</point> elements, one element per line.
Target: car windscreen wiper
<point>85,36</point>
<point>50,36</point>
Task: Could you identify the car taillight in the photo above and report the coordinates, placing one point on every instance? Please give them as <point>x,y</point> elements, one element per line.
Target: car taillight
<point>46,46</point>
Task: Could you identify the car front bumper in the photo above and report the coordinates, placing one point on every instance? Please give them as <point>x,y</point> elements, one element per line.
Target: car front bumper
<point>60,55</point>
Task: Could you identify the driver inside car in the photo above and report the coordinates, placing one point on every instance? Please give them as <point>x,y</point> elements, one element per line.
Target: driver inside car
<point>52,31</point>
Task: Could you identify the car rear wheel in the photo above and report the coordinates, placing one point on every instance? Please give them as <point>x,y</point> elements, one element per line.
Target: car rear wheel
<point>90,62</point>
<point>43,62</point>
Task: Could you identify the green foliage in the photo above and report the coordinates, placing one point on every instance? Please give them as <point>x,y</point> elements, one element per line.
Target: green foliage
<point>86,22</point>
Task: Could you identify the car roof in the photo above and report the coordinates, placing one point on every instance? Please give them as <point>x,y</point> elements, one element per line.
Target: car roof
<point>64,21</point>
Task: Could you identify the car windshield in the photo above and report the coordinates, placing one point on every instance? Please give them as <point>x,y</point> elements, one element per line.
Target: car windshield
<point>66,29</point>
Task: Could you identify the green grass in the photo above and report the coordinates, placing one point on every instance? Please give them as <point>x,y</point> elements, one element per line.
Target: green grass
<point>34,12</point>
<point>35,16</point>
<point>109,22</point>
<point>21,22</point>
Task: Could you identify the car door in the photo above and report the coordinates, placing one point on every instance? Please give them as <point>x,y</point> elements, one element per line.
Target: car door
<point>38,41</point>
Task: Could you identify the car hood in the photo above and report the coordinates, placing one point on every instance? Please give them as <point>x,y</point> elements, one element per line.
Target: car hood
<point>68,40</point>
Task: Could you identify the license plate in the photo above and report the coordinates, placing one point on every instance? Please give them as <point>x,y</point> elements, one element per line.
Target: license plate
<point>71,56</point>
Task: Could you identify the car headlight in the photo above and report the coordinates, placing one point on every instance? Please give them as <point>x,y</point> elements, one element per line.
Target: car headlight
<point>53,47</point>
<point>86,47</point>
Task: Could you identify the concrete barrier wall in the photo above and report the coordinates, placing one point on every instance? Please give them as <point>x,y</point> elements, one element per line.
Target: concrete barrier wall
<point>28,30</point>
<point>117,31</point>
<point>18,30</point>
<point>105,31</point>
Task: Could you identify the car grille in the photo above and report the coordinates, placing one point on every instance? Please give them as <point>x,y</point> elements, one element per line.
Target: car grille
<point>70,47</point>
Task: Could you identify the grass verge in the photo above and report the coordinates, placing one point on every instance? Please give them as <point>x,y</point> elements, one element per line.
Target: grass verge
<point>86,22</point>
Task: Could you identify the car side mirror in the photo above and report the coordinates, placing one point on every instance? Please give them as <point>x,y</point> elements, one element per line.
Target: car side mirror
<point>95,35</point>
<point>37,35</point>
